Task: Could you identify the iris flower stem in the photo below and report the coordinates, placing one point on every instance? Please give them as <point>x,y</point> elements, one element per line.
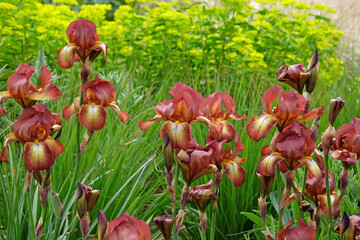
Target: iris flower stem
<point>213,224</point>
<point>303,190</point>
<point>176,176</point>
<point>326,163</point>
<point>278,183</point>
<point>31,219</point>
<point>217,181</point>
<point>57,228</point>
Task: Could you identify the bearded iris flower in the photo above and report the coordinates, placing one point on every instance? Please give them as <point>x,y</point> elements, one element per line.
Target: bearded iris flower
<point>125,227</point>
<point>216,118</point>
<point>302,231</point>
<point>228,160</point>
<point>178,113</point>
<point>346,146</point>
<point>25,93</point>
<point>291,108</point>
<point>293,148</point>
<point>83,44</point>
<point>34,129</point>
<point>97,95</point>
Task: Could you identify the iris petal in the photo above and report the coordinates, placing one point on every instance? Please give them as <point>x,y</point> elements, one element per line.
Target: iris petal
<point>92,117</point>
<point>259,126</point>
<point>66,56</point>
<point>179,134</point>
<point>38,156</point>
<point>234,172</point>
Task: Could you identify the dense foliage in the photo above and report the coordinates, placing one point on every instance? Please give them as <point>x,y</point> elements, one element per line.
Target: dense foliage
<point>229,37</point>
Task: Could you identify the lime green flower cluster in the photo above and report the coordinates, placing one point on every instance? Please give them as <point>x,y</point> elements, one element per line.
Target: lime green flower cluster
<point>232,36</point>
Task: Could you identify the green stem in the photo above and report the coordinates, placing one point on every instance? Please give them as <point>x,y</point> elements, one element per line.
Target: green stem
<point>78,156</point>
<point>57,228</point>
<point>278,183</point>
<point>202,235</point>
<point>326,163</point>
<point>213,223</point>
<point>217,180</point>
<point>176,176</point>
<point>303,190</point>
<point>31,219</point>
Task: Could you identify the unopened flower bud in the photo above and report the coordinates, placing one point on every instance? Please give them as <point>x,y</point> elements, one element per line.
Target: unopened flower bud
<point>265,183</point>
<point>102,226</point>
<point>168,152</point>
<point>28,178</point>
<point>165,224</point>
<point>86,199</point>
<point>56,205</point>
<point>335,107</point>
<point>346,228</point>
<point>326,139</point>
<point>313,67</point>
<point>38,229</point>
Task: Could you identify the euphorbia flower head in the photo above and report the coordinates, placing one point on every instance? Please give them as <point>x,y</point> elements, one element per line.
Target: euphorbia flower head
<point>297,75</point>
<point>300,232</point>
<point>291,108</point>
<point>195,162</point>
<point>347,143</point>
<point>97,95</point>
<point>178,113</point>
<point>228,160</point>
<point>215,117</point>
<point>125,227</point>
<point>83,43</point>
<point>294,148</point>
<point>33,129</point>
<point>25,93</point>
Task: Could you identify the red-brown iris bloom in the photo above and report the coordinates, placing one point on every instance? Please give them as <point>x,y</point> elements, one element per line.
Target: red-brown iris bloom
<point>347,143</point>
<point>34,129</point>
<point>195,162</point>
<point>97,95</point>
<point>125,227</point>
<point>178,113</point>
<point>291,108</point>
<point>300,232</point>
<point>25,93</point>
<point>293,148</point>
<point>316,189</point>
<point>216,118</point>
<point>83,43</point>
<point>228,160</point>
